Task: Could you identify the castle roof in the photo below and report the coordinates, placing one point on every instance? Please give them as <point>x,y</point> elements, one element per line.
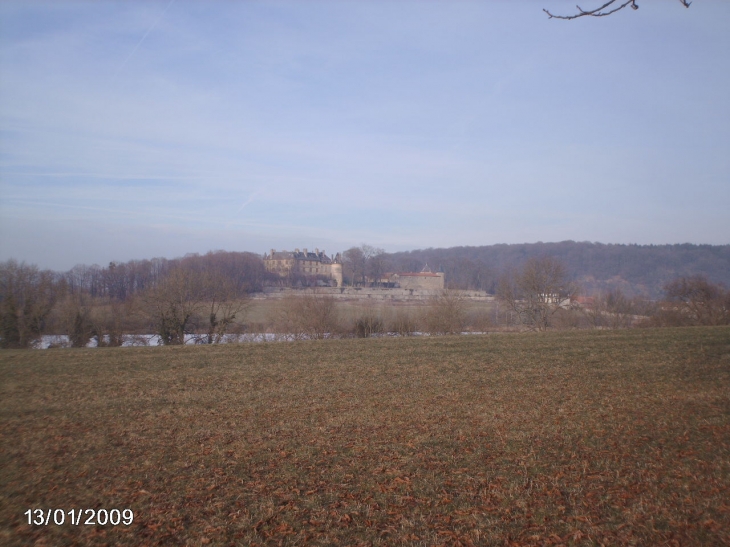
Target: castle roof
<point>417,274</point>
<point>296,254</point>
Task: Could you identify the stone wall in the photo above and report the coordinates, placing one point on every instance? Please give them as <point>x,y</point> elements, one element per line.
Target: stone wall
<point>372,293</point>
<point>419,281</point>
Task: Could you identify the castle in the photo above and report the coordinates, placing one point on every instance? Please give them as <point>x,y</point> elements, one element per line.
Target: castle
<point>305,264</point>
<point>317,267</point>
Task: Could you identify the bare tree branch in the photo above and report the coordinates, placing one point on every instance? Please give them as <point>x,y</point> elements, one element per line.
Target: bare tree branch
<point>600,12</point>
<point>537,293</point>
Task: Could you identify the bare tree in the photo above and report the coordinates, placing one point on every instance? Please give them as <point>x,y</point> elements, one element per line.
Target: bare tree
<point>446,314</point>
<point>77,319</point>
<point>537,293</point>
<point>354,265</point>
<point>376,265</point>
<point>27,297</point>
<point>373,257</point>
<point>307,317</point>
<point>362,262</point>
<point>613,310</point>
<point>111,319</point>
<point>369,322</point>
<point>173,305</point>
<point>612,6</point>
<point>223,306</point>
<point>701,302</point>
<point>402,323</point>
<point>9,323</point>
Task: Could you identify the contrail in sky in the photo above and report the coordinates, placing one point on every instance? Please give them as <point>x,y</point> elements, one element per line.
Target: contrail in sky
<point>143,37</point>
<point>249,200</point>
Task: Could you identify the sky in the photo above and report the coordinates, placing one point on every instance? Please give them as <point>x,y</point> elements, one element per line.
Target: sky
<point>133,130</point>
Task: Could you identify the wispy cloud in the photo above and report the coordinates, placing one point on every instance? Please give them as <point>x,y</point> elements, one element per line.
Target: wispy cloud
<point>131,54</point>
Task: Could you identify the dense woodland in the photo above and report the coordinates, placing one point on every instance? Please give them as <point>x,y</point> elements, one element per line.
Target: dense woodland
<point>622,285</point>
<point>635,269</point>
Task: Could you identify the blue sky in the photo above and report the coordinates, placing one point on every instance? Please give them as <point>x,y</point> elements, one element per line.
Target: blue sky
<point>141,129</point>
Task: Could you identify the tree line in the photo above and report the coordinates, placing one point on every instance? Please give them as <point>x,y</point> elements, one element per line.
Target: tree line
<point>542,295</point>
<point>207,296</point>
<point>169,297</point>
<point>120,280</point>
<point>637,270</point>
<point>634,270</point>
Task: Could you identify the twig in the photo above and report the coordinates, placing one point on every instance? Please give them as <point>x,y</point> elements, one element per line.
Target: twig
<point>599,12</point>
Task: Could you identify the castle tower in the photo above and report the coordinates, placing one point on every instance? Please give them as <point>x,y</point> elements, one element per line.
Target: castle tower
<point>336,269</point>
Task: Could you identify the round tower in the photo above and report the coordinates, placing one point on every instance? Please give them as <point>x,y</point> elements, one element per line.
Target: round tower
<point>336,272</point>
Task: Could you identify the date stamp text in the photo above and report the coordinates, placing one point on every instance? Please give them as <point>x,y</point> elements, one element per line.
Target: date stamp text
<point>79,517</point>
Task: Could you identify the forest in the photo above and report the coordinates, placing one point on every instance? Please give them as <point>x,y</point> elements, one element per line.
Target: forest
<point>638,270</point>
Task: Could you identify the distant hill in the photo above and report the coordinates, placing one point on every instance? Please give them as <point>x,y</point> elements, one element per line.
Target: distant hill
<point>636,269</point>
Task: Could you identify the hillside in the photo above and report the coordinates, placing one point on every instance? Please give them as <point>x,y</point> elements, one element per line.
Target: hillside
<point>636,269</point>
